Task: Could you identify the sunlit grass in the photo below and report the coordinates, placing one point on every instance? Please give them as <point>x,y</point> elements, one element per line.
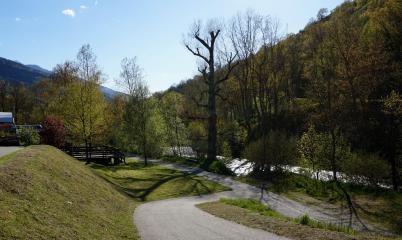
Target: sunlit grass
<point>154,182</point>
<point>46,194</point>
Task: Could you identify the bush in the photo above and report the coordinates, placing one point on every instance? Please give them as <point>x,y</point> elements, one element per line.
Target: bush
<point>304,220</point>
<point>276,149</point>
<point>366,168</point>
<point>53,132</point>
<point>218,167</point>
<point>28,136</point>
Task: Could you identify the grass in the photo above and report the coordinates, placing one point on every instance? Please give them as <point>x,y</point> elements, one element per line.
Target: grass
<point>254,206</point>
<point>154,182</point>
<point>381,208</point>
<point>256,215</point>
<point>257,207</point>
<point>216,166</point>
<point>45,194</point>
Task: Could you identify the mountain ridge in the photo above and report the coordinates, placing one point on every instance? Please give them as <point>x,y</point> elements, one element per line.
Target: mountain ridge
<point>14,72</point>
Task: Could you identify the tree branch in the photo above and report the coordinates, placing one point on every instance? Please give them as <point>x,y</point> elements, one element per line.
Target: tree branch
<point>197,53</point>
<point>230,66</point>
<point>204,73</point>
<point>197,101</point>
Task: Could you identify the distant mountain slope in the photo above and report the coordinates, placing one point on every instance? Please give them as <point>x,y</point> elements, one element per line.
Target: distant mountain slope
<point>14,72</point>
<point>38,68</point>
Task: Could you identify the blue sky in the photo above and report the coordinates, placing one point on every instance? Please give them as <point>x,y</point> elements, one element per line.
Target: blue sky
<point>48,32</point>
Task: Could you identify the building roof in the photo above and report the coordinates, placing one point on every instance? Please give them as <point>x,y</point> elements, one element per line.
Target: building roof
<point>6,117</point>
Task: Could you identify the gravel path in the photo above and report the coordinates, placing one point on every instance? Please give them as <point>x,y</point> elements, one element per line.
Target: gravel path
<point>7,150</point>
<point>179,219</point>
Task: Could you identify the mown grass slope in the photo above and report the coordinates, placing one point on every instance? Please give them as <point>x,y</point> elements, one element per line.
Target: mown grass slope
<point>153,182</point>
<point>45,194</point>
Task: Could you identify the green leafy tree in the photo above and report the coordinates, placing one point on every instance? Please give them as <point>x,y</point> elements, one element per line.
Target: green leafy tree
<point>309,150</point>
<point>171,106</point>
<point>143,121</point>
<point>83,102</point>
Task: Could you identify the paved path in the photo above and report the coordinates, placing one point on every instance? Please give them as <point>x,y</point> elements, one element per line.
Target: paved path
<point>7,150</point>
<point>176,219</point>
<point>179,219</point>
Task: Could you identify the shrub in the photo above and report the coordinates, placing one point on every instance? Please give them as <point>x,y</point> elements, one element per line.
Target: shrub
<point>366,168</point>
<point>276,149</point>
<point>304,220</point>
<point>28,136</point>
<point>219,167</point>
<point>53,132</point>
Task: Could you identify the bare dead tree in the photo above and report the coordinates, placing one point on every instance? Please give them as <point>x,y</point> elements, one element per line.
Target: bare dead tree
<point>202,43</point>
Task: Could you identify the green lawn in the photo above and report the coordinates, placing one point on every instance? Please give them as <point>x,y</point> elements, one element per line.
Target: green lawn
<point>154,182</point>
<point>256,215</point>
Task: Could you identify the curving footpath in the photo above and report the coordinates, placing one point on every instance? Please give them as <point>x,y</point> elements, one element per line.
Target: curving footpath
<point>179,219</point>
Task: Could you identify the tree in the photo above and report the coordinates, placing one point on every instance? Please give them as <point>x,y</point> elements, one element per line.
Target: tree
<point>392,107</point>
<point>84,104</point>
<point>207,39</point>
<point>138,112</point>
<point>3,95</point>
<point>245,36</point>
<point>18,96</point>
<point>326,90</point>
<point>53,132</point>
<point>309,149</point>
<point>171,108</point>
<point>115,127</point>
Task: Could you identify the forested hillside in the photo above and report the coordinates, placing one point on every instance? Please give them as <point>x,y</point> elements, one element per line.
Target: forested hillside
<point>334,87</point>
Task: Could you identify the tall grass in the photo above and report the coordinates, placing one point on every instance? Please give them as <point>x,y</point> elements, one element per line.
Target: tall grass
<point>306,220</point>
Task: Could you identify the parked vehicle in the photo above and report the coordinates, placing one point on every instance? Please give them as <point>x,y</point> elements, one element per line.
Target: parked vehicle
<point>8,130</point>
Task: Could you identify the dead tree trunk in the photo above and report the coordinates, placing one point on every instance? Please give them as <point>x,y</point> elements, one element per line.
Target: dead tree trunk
<point>208,73</point>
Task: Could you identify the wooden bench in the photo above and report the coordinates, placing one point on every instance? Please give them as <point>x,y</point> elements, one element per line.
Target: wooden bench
<point>99,154</point>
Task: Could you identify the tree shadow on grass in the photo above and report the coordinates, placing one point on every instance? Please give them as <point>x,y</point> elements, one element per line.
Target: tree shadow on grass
<point>392,216</point>
<point>156,180</point>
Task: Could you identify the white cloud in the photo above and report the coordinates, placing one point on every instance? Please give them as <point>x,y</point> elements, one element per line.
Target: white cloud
<point>17,19</point>
<point>83,7</point>
<point>68,12</point>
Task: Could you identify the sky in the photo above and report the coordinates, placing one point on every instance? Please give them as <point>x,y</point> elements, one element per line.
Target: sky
<point>49,32</point>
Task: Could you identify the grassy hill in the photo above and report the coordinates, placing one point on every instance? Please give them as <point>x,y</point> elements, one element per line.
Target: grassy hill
<point>45,194</point>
